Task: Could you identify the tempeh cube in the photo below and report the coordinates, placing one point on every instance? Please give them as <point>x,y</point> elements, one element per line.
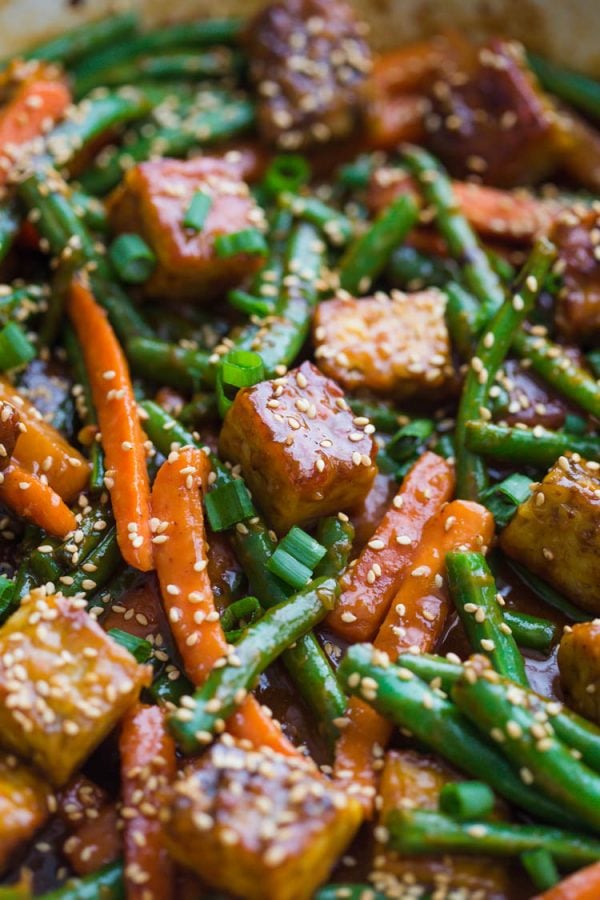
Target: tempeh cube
<point>301,451</point>
<point>64,683</point>
<point>259,824</point>
<point>152,201</point>
<point>555,532</point>
<point>395,345</point>
<point>579,664</point>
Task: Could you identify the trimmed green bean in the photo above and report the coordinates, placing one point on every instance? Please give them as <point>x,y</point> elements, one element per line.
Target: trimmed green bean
<point>574,87</point>
<point>527,446</point>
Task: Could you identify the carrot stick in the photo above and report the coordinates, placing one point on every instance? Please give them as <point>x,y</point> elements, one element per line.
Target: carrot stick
<point>514,216</point>
<point>42,450</point>
<point>414,622</point>
<point>148,765</point>
<point>582,885</point>
<point>28,496</point>
<point>366,590</point>
<point>39,98</point>
<point>122,435</point>
<point>180,556</point>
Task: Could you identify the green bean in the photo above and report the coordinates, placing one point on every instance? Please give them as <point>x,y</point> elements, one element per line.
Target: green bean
<point>106,558</point>
<point>336,227</point>
<point>497,707</point>
<point>306,662</point>
<point>250,305</point>
<point>382,414</point>
<point>177,367</point>
<point>90,72</point>
<point>79,43</point>
<point>225,117</point>
<point>246,608</point>
<point>531,631</point>
<point>489,355</point>
<point>409,268</point>
<point>106,883</point>
<point>337,536</point>
<point>474,592</point>
<point>98,115</point>
<point>368,255</point>
<point>436,722</point>
<point>424,831</point>
<point>555,367</point>
<point>548,594</point>
<point>527,446</point>
<point>462,242</point>
<point>21,303</point>
<point>91,210</point>
<point>282,335</point>
<point>462,311</point>
<point>85,406</point>
<point>217,63</point>
<point>342,891</point>
<point>577,89</point>
<point>261,643</point>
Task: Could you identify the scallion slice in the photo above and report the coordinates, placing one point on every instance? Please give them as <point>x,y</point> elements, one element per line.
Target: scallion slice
<point>304,547</point>
<point>502,499</point>
<point>541,868</point>
<point>467,799</point>
<point>250,241</point>
<point>287,172</point>
<point>228,504</point>
<point>197,211</point>
<point>132,258</point>
<point>289,569</point>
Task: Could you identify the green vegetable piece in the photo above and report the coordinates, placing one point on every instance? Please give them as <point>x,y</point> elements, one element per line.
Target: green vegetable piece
<point>467,800</point>
<point>197,211</point>
<point>132,258</point>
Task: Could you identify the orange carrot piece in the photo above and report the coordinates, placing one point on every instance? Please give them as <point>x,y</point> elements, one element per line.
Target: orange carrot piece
<point>122,435</point>
<point>39,98</point>
<point>514,216</point>
<point>42,450</point>
<point>368,586</point>
<point>28,496</point>
<point>582,885</point>
<point>414,622</point>
<point>182,569</point>
<point>148,765</point>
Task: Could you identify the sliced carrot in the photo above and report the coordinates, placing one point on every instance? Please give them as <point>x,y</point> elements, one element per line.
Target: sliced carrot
<point>122,435</point>
<point>414,622</point>
<point>514,216</point>
<point>39,97</point>
<point>582,885</point>
<point>148,766</point>
<point>42,450</point>
<point>28,496</point>
<point>180,555</point>
<point>366,590</point>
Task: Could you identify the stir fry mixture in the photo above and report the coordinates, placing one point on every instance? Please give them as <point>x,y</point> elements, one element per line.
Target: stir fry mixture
<point>299,465</point>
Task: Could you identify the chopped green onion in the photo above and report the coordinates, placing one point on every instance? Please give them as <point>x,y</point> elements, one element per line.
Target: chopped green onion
<point>197,211</point>
<point>250,240</point>
<point>242,368</point>
<point>356,175</point>
<point>287,172</point>
<point>541,868</point>
<point>289,569</point>
<point>228,504</point>
<point>15,347</point>
<point>238,368</point>
<point>408,439</point>
<point>467,799</point>
<point>303,547</point>
<point>503,499</point>
<point>133,259</point>
<point>138,647</point>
